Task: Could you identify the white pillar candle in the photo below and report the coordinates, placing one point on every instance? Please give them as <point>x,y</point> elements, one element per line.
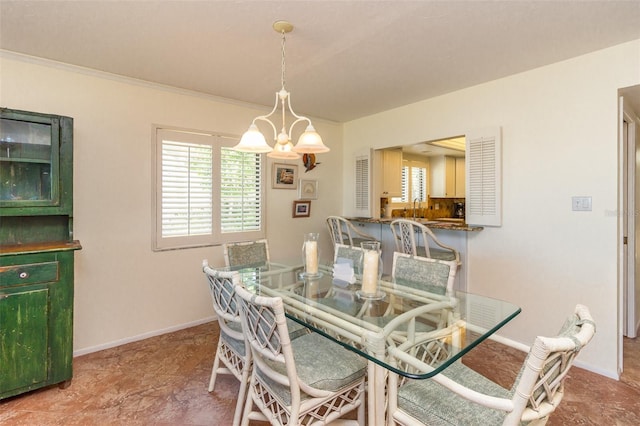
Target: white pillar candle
<point>370,273</point>
<point>311,257</point>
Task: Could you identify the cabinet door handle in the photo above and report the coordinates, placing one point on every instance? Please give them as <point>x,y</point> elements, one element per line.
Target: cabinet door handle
<point>23,274</point>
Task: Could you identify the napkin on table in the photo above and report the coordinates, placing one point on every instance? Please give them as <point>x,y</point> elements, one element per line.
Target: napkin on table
<point>343,274</point>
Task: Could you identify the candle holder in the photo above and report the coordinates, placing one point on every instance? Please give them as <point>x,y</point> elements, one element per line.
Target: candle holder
<point>371,269</point>
<point>310,255</point>
<point>311,285</point>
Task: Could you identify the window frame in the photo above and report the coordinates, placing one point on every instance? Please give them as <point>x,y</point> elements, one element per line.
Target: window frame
<point>216,237</point>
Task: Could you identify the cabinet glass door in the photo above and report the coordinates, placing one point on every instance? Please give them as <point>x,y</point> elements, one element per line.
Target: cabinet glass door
<point>28,160</point>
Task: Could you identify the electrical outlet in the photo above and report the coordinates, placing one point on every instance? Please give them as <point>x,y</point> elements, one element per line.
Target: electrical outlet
<point>581,204</point>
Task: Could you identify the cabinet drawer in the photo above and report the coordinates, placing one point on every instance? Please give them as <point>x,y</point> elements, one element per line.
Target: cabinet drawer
<point>28,274</point>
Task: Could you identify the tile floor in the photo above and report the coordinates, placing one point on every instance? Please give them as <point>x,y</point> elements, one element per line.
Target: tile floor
<point>163,381</point>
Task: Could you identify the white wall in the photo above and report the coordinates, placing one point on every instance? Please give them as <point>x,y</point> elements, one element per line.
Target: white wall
<point>560,139</point>
<point>124,290</point>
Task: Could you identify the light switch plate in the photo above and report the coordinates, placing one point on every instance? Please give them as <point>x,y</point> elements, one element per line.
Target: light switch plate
<point>581,204</point>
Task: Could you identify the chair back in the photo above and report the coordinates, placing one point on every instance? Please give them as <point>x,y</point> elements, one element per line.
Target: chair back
<point>422,273</point>
<point>408,235</point>
<point>250,253</point>
<point>342,251</point>
<point>265,327</point>
<point>546,367</point>
<point>222,286</point>
<point>342,231</point>
<point>327,383</point>
<point>338,230</point>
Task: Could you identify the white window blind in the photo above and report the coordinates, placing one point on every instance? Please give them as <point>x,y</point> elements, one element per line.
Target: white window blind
<point>362,182</point>
<point>205,193</point>
<point>240,191</point>
<point>414,183</point>
<point>187,201</point>
<point>484,178</point>
<point>419,183</point>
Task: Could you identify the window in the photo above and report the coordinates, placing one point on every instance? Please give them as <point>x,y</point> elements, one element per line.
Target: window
<point>196,203</point>
<point>414,183</point>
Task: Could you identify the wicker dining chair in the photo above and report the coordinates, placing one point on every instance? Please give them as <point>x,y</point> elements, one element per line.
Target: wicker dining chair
<point>232,350</point>
<point>342,231</point>
<point>461,396</point>
<point>306,381</point>
<point>416,239</point>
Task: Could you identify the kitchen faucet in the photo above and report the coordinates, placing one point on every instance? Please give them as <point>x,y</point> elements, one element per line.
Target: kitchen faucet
<point>414,206</point>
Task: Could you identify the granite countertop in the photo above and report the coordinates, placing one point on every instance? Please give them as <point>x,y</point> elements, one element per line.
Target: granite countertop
<point>446,223</point>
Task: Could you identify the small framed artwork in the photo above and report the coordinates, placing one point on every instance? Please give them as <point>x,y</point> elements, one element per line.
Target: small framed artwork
<point>284,176</point>
<point>301,208</point>
<point>308,189</point>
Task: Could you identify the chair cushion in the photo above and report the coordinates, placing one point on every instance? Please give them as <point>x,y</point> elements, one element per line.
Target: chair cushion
<point>236,345</point>
<point>423,275</point>
<point>326,365</point>
<point>296,329</point>
<point>358,241</point>
<point>247,254</point>
<point>320,363</point>
<point>434,404</point>
<point>436,253</point>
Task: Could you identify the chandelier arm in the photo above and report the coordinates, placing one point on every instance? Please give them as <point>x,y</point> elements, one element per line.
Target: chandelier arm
<point>298,117</point>
<point>266,118</point>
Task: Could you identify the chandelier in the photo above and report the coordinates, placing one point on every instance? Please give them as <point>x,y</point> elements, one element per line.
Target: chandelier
<point>254,141</point>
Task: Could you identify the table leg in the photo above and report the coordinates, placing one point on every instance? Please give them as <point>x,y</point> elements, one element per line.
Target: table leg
<point>376,398</point>
<point>371,394</point>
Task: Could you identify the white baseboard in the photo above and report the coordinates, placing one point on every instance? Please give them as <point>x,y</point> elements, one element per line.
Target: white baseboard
<point>610,374</point>
<point>142,336</point>
<point>524,348</point>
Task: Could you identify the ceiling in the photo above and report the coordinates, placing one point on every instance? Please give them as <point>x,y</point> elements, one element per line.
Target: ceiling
<point>344,59</point>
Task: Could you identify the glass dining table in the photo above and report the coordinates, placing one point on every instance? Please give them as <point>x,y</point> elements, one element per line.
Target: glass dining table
<point>401,329</point>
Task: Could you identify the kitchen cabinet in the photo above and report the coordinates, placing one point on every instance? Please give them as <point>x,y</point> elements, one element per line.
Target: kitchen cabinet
<point>36,251</point>
<point>460,178</point>
<point>390,162</point>
<point>443,176</point>
<point>447,176</point>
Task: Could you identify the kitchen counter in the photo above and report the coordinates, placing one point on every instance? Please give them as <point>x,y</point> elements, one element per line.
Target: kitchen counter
<point>452,232</point>
<point>445,223</point>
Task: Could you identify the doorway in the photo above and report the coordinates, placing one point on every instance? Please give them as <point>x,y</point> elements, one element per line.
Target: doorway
<point>629,138</point>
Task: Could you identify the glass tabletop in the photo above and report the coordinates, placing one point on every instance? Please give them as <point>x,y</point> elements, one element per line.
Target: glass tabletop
<point>411,331</point>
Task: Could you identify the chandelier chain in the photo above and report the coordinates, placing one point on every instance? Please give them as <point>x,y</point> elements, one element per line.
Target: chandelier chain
<point>283,59</point>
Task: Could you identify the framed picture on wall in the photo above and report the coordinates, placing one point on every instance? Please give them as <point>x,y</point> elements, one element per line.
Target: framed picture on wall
<point>308,189</point>
<point>301,208</point>
<point>284,176</point>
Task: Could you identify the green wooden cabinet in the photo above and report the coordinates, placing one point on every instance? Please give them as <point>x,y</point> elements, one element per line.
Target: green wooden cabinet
<point>36,251</point>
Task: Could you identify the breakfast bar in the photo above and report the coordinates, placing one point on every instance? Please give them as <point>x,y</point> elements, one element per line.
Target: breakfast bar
<point>453,232</point>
